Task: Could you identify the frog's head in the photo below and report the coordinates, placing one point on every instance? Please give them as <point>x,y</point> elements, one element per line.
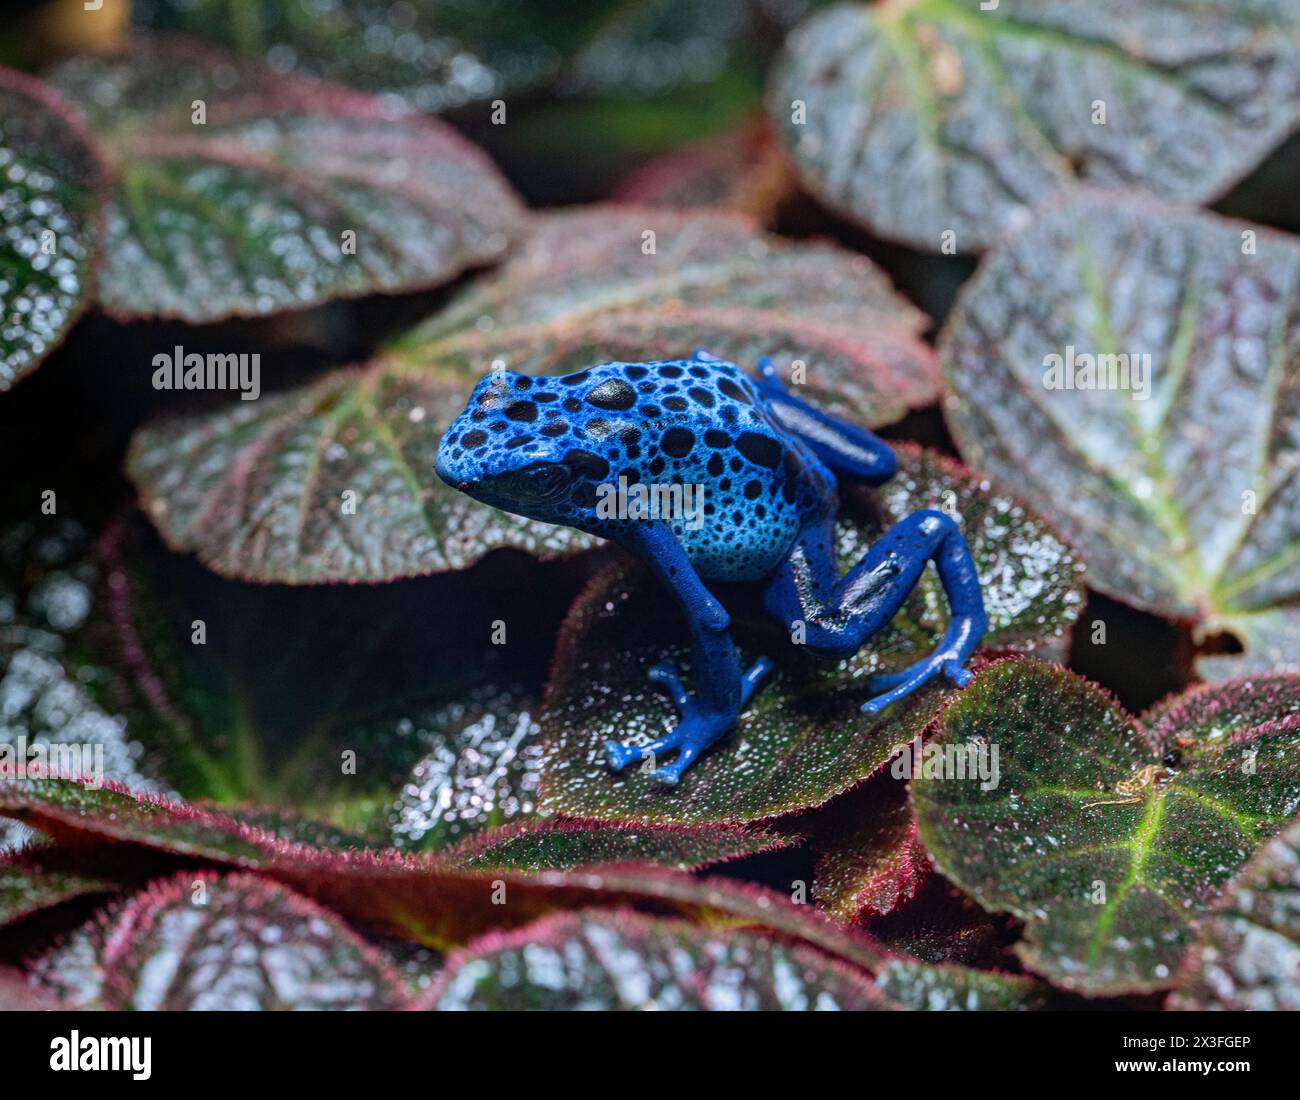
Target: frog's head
<point>510,449</point>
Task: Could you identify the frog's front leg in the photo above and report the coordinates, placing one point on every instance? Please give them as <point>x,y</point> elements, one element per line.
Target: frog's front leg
<point>840,613</point>
<point>721,689</point>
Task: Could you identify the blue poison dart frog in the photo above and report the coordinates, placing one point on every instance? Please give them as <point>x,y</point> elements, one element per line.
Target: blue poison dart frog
<point>765,464</point>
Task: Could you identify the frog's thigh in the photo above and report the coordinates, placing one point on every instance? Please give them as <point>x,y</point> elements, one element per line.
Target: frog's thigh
<point>836,615</point>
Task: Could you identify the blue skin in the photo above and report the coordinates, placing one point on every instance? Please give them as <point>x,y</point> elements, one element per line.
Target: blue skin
<point>768,462</point>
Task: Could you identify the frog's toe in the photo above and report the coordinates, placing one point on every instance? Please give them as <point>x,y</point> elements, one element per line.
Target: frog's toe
<point>665,675</point>
<point>671,774</point>
<point>956,674</point>
<point>768,379</point>
<point>620,756</point>
<point>899,684</point>
<point>896,685</point>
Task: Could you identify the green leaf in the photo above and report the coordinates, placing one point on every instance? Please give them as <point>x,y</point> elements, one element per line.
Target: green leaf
<point>417,738</point>
<point>929,116</point>
<point>616,961</point>
<point>1247,956</point>
<point>248,212</point>
<point>201,942</point>
<point>1185,501</point>
<point>561,844</point>
<point>872,860</point>
<point>51,192</point>
<point>27,887</point>
<point>802,740</point>
<point>1104,844</point>
<point>255,488</point>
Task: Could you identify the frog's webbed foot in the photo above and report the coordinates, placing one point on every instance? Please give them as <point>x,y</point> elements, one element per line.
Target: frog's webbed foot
<point>697,730</point>
<point>896,685</point>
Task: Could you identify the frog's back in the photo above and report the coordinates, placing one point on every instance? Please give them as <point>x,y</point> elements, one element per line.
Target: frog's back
<point>702,423</point>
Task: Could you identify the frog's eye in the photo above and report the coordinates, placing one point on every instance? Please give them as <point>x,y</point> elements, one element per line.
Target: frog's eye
<point>543,480</point>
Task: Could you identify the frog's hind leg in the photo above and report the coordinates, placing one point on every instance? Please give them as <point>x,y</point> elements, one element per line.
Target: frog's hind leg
<point>838,613</point>
<point>849,451</point>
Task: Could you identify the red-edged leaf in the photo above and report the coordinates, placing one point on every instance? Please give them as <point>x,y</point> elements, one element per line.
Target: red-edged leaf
<point>561,844</point>
<point>248,210</point>
<point>949,988</point>
<point>200,942</point>
<point>622,960</point>
<point>422,898</point>
<point>1104,841</point>
<point>921,118</point>
<point>872,859</point>
<point>72,811</point>
<point>1247,955</point>
<point>1134,370</point>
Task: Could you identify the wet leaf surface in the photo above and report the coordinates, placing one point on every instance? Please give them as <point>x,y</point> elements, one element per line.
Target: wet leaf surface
<point>1185,502</point>
<point>949,988</point>
<point>376,709</point>
<point>436,55</point>
<point>53,702</point>
<point>248,212</point>
<point>257,488</point>
<point>803,739</point>
<point>559,845</point>
<point>927,116</point>
<point>202,942</point>
<point>482,770</point>
<point>1107,846</point>
<point>1247,956</point>
<point>618,961</point>
<point>439,55</point>
<point>50,204</point>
